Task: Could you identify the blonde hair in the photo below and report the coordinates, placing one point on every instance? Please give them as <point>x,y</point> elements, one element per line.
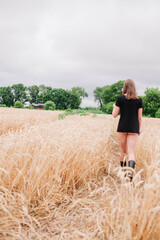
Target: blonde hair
<point>129,89</point>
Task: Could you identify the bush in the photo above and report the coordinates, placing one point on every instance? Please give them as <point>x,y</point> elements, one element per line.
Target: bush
<point>68,110</point>
<point>3,105</point>
<point>18,104</point>
<point>107,108</point>
<point>91,108</point>
<point>151,101</point>
<point>94,110</point>
<point>30,107</point>
<point>49,105</point>
<point>158,113</point>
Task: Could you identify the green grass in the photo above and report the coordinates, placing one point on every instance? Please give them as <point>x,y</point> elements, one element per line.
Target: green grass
<point>81,112</point>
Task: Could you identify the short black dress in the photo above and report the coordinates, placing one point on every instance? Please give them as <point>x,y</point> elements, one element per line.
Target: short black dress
<point>128,121</point>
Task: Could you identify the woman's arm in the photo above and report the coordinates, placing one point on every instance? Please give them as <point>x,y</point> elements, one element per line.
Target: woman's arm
<point>115,110</point>
<point>140,110</point>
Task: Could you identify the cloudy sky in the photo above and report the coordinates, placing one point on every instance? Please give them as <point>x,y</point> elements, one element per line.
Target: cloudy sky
<point>87,43</point>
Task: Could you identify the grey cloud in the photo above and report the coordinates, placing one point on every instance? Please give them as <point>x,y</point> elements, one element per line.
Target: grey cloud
<point>80,43</point>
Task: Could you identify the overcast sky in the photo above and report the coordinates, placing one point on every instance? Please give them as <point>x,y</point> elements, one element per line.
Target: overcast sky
<point>87,43</point>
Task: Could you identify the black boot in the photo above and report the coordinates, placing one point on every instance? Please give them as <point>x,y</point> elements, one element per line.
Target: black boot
<point>131,164</point>
<point>123,164</point>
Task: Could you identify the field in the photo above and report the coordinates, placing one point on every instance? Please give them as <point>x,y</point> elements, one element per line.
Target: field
<point>60,179</point>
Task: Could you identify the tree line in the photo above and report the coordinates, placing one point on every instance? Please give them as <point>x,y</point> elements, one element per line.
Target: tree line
<point>63,99</point>
<point>107,95</point>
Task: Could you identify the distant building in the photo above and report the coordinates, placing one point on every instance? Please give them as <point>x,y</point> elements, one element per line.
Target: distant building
<point>26,104</point>
<point>38,105</point>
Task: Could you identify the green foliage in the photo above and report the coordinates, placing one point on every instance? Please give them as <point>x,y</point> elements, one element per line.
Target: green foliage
<point>151,101</point>
<point>40,94</point>
<point>90,108</point>
<point>84,114</point>
<point>49,105</point>
<point>112,92</point>
<point>143,98</point>
<point>18,104</point>
<point>80,92</point>
<point>33,94</point>
<point>47,96</point>
<point>94,115</point>
<point>73,100</point>
<point>107,108</point>
<point>81,112</point>
<point>61,116</point>
<point>72,112</point>
<point>98,96</point>
<point>65,99</point>
<point>68,110</point>
<point>30,107</point>
<point>6,96</point>
<point>104,108</point>
<point>59,97</point>
<point>93,110</point>
<point>42,89</point>
<point>19,92</point>
<point>158,113</point>
<point>3,105</point>
<point>108,93</point>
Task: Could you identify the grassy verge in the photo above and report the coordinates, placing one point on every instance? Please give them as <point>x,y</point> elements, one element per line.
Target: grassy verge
<point>81,112</point>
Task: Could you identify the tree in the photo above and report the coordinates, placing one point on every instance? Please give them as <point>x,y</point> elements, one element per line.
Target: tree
<point>80,92</point>
<point>108,107</point>
<point>42,89</point>
<point>112,92</point>
<point>6,96</point>
<point>117,88</point>
<point>19,92</point>
<point>44,92</point>
<point>98,95</point>
<point>158,113</point>
<point>151,101</point>
<point>73,100</point>
<point>59,97</point>
<point>47,96</point>
<point>49,105</point>
<point>64,99</point>
<point>33,94</point>
<point>18,104</point>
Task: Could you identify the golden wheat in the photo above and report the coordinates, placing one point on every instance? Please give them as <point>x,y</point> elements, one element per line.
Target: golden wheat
<point>12,119</point>
<point>60,179</point>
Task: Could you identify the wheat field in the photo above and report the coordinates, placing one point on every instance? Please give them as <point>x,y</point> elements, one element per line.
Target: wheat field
<point>60,179</point>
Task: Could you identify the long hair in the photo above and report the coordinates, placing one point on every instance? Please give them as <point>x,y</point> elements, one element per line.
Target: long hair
<point>129,89</point>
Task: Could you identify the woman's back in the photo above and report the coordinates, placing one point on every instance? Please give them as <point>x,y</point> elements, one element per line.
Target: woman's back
<point>129,114</point>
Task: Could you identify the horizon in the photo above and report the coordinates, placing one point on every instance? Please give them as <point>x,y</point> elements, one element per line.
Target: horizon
<point>80,43</point>
<point>85,101</point>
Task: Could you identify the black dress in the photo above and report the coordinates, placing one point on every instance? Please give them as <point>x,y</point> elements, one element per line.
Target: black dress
<point>128,121</point>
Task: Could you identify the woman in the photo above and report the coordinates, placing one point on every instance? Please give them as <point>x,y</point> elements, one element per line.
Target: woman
<point>129,126</point>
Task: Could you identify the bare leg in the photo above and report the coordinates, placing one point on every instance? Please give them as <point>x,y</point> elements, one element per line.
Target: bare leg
<point>131,139</point>
<point>123,145</point>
